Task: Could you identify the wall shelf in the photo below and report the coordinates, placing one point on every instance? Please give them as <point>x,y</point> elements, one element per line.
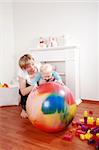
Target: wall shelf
<point>52,48</point>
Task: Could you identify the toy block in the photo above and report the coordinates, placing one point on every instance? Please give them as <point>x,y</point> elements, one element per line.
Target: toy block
<point>82,136</point>
<point>94,130</point>
<point>85,113</point>
<point>90,120</point>
<point>97,121</point>
<point>0,85</point>
<point>84,128</point>
<point>5,85</point>
<point>68,137</point>
<point>91,141</point>
<point>97,135</point>
<point>81,120</point>
<point>78,132</point>
<point>90,113</point>
<point>97,145</point>
<point>88,136</point>
<point>85,117</point>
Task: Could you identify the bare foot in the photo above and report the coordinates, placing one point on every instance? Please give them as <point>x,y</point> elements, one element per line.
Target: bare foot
<point>24,114</point>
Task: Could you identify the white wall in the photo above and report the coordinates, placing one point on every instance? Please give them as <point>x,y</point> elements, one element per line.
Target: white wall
<point>79,20</point>
<point>31,20</point>
<point>7,50</point>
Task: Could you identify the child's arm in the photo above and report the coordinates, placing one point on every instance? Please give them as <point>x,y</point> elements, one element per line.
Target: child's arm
<point>57,77</point>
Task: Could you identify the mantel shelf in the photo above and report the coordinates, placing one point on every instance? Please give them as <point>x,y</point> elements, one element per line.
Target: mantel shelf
<point>52,48</point>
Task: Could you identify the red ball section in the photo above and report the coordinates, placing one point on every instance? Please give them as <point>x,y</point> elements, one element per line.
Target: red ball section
<point>51,107</point>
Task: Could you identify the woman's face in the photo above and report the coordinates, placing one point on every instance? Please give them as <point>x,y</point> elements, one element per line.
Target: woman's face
<point>31,69</point>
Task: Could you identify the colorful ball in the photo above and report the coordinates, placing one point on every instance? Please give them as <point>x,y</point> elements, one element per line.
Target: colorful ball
<point>51,107</point>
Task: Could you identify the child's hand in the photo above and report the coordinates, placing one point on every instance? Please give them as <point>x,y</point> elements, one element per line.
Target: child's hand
<point>42,81</point>
<point>59,82</point>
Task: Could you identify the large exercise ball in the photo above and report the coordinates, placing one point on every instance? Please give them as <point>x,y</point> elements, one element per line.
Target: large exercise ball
<point>51,107</point>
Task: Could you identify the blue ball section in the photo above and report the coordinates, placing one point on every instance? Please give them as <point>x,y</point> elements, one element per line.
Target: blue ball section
<point>53,103</point>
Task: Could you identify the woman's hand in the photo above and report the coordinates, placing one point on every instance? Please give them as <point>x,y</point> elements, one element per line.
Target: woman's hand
<point>22,85</point>
<point>34,88</point>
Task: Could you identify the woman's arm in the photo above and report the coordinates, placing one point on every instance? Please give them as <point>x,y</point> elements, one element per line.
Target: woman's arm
<point>36,79</point>
<point>22,85</point>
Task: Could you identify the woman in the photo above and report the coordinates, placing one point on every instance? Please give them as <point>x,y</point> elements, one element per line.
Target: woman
<point>27,71</point>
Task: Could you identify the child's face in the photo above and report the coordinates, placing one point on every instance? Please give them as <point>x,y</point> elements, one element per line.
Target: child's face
<point>46,76</point>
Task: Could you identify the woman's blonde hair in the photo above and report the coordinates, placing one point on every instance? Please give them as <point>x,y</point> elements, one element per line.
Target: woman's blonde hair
<point>46,68</point>
<point>25,60</point>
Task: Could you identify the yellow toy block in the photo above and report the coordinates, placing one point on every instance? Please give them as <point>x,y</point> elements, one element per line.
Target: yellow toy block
<point>85,113</point>
<point>0,85</point>
<point>97,135</point>
<point>97,121</point>
<point>88,136</point>
<point>90,120</point>
<point>82,137</point>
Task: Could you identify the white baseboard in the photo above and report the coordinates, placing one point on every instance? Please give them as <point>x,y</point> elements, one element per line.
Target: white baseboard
<point>84,99</point>
<point>78,101</point>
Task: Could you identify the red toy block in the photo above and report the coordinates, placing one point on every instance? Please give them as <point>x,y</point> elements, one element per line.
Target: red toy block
<point>78,132</point>
<point>90,112</point>
<point>68,137</point>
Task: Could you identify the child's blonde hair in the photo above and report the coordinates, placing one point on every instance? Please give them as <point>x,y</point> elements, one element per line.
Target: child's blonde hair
<point>46,68</point>
<point>26,60</point>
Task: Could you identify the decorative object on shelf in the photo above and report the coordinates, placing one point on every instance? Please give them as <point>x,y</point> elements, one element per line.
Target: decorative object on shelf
<point>42,43</point>
<point>51,41</point>
<point>61,40</point>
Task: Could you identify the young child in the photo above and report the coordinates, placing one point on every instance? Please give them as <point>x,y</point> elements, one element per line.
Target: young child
<point>46,74</point>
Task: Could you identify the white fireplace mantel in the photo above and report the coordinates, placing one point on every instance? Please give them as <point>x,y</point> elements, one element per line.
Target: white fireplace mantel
<point>66,56</point>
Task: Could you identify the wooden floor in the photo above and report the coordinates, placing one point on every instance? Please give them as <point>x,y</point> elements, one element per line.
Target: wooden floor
<point>19,134</point>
